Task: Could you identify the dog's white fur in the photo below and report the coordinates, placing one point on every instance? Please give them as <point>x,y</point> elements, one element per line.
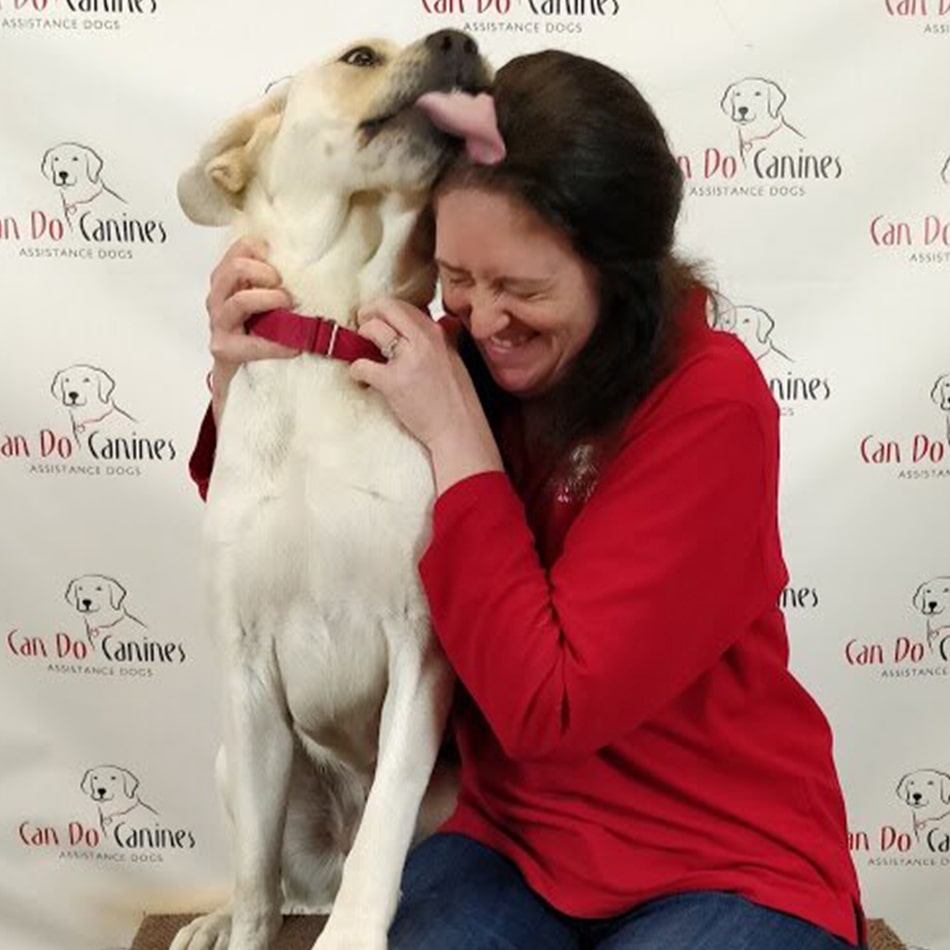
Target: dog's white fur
<point>86,391</point>
<point>76,171</point>
<point>927,792</point>
<point>755,106</point>
<point>318,510</point>
<point>100,600</point>
<point>115,792</point>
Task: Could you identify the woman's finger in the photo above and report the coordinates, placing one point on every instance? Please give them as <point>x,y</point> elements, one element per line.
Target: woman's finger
<point>368,373</point>
<point>241,267</point>
<point>241,306</point>
<point>381,333</point>
<point>405,319</point>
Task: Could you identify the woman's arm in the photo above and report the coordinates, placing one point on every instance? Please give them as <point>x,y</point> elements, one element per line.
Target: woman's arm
<point>664,567</point>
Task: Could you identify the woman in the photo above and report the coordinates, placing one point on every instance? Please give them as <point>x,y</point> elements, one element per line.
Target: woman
<point>639,768</point>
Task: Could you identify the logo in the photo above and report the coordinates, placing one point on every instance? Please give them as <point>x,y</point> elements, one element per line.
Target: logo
<point>791,387</point>
<point>923,651</point>
<point>924,238</point>
<point>930,14</point>
<point>101,637</point>
<point>799,599</point>
<point>117,823</point>
<point>60,15</point>
<point>94,434</point>
<point>768,156</point>
<point>918,836</point>
<point>525,17</point>
<point>918,455</point>
<point>85,216</point>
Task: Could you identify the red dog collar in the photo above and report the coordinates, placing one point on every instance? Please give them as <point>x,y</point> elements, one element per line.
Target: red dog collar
<point>318,335</point>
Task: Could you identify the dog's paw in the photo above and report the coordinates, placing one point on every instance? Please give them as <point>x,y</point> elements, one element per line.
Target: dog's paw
<point>210,932</point>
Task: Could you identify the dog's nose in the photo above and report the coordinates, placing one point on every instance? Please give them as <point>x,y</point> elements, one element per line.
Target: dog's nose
<point>87,603</point>
<point>917,796</point>
<point>457,54</point>
<point>62,176</point>
<point>743,110</point>
<point>73,396</point>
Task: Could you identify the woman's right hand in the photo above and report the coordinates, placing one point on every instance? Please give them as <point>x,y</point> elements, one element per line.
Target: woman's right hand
<point>242,284</point>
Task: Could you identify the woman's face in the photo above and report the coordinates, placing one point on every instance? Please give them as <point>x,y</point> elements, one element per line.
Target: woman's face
<point>528,300</point>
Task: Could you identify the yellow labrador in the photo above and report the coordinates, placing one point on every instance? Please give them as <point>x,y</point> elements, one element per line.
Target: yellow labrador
<point>319,503</point>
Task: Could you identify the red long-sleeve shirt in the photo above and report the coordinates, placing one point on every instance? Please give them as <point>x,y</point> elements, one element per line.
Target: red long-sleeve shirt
<point>628,726</point>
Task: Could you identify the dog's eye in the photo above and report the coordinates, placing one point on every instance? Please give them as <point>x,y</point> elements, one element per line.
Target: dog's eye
<point>361,56</point>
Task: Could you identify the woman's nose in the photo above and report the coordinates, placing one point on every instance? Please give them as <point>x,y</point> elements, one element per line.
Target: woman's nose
<point>486,316</point>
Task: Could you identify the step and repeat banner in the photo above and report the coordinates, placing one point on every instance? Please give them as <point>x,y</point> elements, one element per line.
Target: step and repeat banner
<point>815,142</point>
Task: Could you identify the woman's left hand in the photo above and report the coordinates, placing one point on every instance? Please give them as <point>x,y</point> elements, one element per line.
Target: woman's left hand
<point>427,387</point>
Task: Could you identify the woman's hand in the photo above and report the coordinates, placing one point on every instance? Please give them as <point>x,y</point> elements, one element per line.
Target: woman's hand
<point>242,285</point>
<point>428,389</point>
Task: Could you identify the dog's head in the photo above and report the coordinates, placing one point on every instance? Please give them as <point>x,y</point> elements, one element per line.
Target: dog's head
<point>82,385</point>
<point>749,100</point>
<point>345,126</point>
<point>106,783</point>
<point>932,598</point>
<point>752,325</point>
<point>940,394</point>
<point>69,164</point>
<point>924,787</point>
<point>92,593</point>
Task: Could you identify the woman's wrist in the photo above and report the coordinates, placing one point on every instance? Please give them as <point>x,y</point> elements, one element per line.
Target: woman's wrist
<point>461,453</point>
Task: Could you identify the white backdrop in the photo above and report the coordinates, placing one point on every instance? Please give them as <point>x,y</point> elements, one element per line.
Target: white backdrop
<point>829,237</point>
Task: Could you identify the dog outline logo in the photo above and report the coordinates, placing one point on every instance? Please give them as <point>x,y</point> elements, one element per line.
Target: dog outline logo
<point>86,391</point>
<point>752,326</point>
<point>755,105</point>
<point>927,793</point>
<point>940,394</point>
<point>114,789</point>
<point>100,601</point>
<point>932,601</point>
<point>75,171</point>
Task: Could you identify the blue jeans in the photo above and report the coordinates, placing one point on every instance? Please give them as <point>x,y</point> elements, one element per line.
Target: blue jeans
<point>459,895</point>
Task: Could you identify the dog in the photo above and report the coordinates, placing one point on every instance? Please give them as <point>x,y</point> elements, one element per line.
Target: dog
<point>115,791</point>
<point>86,391</point>
<point>76,171</point>
<point>927,792</point>
<point>940,394</point>
<point>318,506</point>
<point>755,106</point>
<point>752,325</point>
<point>100,601</point>
<point>932,599</point>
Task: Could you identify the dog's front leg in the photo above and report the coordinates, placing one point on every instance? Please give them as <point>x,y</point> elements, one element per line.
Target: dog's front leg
<point>259,749</point>
<point>414,714</point>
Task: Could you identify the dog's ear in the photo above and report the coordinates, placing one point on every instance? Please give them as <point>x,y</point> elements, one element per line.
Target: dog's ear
<point>776,99</point>
<point>945,788</point>
<point>764,325</point>
<point>93,164</point>
<point>56,387</point>
<point>130,783</point>
<point>213,188</point>
<point>726,103</point>
<point>935,394</point>
<point>105,384</point>
<point>945,174</point>
<point>46,165</point>
<point>918,600</point>
<point>86,784</point>
<point>70,594</point>
<point>902,788</point>
<point>116,593</point>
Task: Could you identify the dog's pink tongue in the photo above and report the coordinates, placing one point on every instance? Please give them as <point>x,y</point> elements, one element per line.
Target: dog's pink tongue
<point>470,118</point>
